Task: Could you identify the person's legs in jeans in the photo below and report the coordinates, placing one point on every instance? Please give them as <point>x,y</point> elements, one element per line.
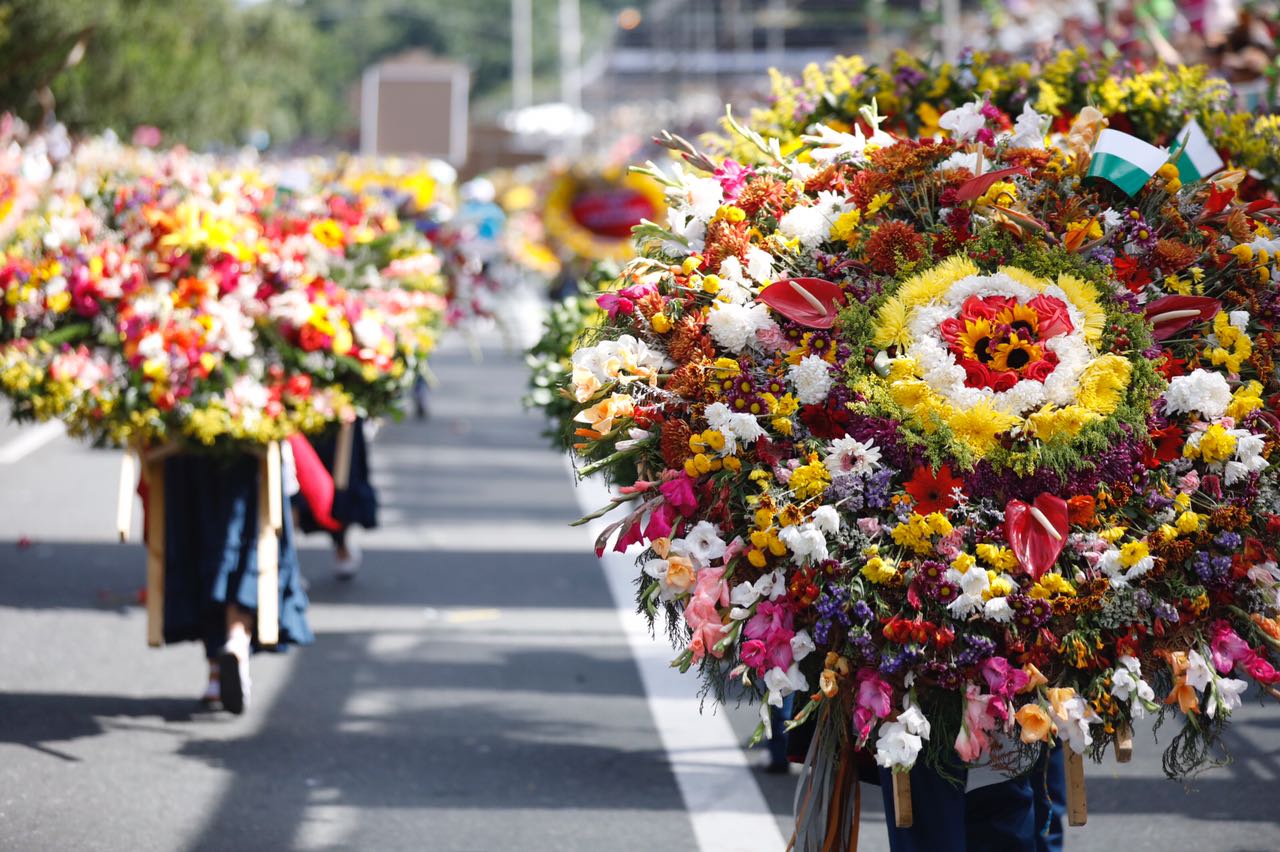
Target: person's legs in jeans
<point>1049,791</point>
<point>939,808</point>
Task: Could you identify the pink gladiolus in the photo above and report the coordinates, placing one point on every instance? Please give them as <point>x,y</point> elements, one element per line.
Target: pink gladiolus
<point>1260,668</point>
<point>612,304</point>
<point>973,742</point>
<point>1003,679</point>
<point>1227,647</point>
<point>874,701</point>
<point>660,522</point>
<point>753,655</point>
<point>680,495</point>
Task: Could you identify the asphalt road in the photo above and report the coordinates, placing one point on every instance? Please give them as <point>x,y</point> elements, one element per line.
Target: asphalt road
<point>477,688</point>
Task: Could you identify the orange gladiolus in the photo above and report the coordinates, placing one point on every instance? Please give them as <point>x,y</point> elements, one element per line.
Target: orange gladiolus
<point>1183,694</point>
<point>1035,723</point>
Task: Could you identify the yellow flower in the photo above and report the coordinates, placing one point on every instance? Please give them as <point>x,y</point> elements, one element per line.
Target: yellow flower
<point>1051,421</point>
<point>1133,552</point>
<point>1246,399</point>
<point>1187,523</point>
<point>845,228</point>
<point>1002,192</point>
<point>328,233</point>
<point>661,324</point>
<point>963,562</point>
<point>1103,383</point>
<point>811,479</point>
<point>979,427</point>
<point>877,570</point>
<point>998,557</point>
<point>1216,445</point>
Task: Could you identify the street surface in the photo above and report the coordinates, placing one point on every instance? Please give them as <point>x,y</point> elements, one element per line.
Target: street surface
<point>481,686</point>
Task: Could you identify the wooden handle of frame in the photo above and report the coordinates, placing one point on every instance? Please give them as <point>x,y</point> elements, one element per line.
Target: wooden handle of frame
<point>902,813</point>
<point>1077,804</point>
<point>127,494</point>
<point>153,470</point>
<point>1124,744</point>
<point>342,456</point>
<point>270,522</point>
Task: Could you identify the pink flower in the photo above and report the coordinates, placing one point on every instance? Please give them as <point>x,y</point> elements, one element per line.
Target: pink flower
<point>874,701</point>
<point>733,176</point>
<point>1003,679</point>
<point>1227,647</point>
<point>870,527</point>
<point>774,626</point>
<point>679,493</point>
<point>612,303</point>
<point>702,615</point>
<point>972,742</point>
<point>753,654</point>
<point>660,522</point>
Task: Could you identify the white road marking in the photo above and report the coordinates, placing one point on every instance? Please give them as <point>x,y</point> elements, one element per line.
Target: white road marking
<point>30,440</point>
<point>725,805</point>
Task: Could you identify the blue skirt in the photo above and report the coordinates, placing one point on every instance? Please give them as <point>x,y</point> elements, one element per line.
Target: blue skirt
<point>355,504</point>
<point>210,553</point>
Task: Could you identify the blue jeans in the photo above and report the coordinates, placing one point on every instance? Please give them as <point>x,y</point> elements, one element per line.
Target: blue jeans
<point>1012,816</point>
<point>778,718</point>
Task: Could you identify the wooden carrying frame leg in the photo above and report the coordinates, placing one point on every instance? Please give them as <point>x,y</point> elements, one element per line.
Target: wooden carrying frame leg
<point>1077,804</point>
<point>903,817</point>
<point>153,471</point>
<point>270,524</point>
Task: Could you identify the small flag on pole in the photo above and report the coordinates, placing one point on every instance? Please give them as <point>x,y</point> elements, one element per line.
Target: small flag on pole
<point>1125,161</point>
<point>1196,158</point>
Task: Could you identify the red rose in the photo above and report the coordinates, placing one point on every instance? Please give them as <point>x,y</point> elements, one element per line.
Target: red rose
<point>1001,382</point>
<point>976,374</point>
<point>1055,319</point>
<point>980,308</point>
<point>1040,370</point>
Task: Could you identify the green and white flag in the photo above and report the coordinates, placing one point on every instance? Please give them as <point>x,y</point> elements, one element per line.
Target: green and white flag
<point>1125,161</point>
<point>1196,158</point>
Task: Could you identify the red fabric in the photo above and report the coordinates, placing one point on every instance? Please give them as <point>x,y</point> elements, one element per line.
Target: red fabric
<point>315,482</point>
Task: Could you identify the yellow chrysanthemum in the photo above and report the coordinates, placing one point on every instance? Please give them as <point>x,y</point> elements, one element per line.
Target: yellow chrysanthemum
<point>1103,383</point>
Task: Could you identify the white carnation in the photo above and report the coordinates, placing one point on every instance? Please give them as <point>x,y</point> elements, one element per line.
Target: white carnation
<point>734,326</point>
<point>809,225</point>
<point>1202,391</point>
<point>736,427</point>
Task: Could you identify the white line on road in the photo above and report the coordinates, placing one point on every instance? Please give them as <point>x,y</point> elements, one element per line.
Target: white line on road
<point>725,805</point>
<point>30,440</point>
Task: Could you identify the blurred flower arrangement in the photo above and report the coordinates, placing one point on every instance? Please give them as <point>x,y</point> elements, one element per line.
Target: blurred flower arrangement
<point>153,297</point>
<point>1152,103</point>
<point>961,443</point>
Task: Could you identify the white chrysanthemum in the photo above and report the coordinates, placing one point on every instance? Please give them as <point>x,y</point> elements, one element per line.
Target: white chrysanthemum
<point>759,265</point>
<point>827,519</point>
<point>736,427</point>
<point>850,457</point>
<point>1201,391</point>
<point>809,225</point>
<point>959,160</point>
<point>1028,130</point>
<point>812,379</point>
<point>734,326</point>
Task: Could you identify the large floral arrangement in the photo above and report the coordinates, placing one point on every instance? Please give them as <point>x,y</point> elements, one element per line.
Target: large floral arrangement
<point>966,449</point>
<point>1152,103</point>
<point>149,298</point>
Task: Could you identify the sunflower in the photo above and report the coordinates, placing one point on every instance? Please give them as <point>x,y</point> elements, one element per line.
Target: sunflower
<point>1023,319</point>
<point>975,340</point>
<point>1015,354</point>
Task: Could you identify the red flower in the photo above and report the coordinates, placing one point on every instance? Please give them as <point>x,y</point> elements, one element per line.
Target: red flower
<point>1131,273</point>
<point>1168,444</point>
<point>932,491</point>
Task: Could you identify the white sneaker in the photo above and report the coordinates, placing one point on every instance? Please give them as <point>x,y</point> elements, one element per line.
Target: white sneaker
<point>346,568</point>
<point>233,674</point>
<point>212,697</point>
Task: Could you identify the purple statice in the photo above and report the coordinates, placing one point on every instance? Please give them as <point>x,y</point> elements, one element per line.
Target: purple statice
<point>883,432</point>
<point>979,648</point>
<point>1156,501</point>
<point>861,612</point>
<point>1228,541</point>
<point>1165,611</point>
<point>1142,598</point>
<point>876,492</point>
<point>1104,255</point>
<point>904,659</point>
<point>909,77</point>
<point>865,650</point>
<point>832,608</point>
<point>847,491</point>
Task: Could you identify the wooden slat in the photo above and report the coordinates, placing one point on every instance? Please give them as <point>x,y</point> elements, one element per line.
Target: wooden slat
<point>269,547</point>
<point>154,472</point>
<point>902,813</point>
<point>1124,744</point>
<point>342,456</point>
<point>1077,805</point>
<point>126,495</point>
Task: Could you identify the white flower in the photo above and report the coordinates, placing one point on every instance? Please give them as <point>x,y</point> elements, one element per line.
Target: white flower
<point>998,610</point>
<point>759,265</point>
<point>772,585</point>
<point>743,596</point>
<point>782,683</point>
<point>704,196</point>
<point>812,378</point>
<point>809,225</point>
<point>1229,690</point>
<point>850,457</point>
<point>1073,723</point>
<point>959,160</point>
<point>1240,319</point>
<point>964,122</point>
<point>702,543</point>
<point>1198,672</point>
<point>735,427</point>
<point>827,519</point>
<point>1028,130</point>
<point>1127,685</point>
<point>734,326</point>
<point>1201,391</point>
<point>802,645</point>
<point>635,436</point>
<point>806,543</point>
<point>899,742</point>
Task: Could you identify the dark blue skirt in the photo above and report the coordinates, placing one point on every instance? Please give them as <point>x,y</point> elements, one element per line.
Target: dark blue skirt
<point>358,502</point>
<point>211,559</point>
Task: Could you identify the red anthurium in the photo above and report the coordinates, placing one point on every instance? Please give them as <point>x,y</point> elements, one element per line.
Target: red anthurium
<point>932,491</point>
<point>976,187</point>
<point>811,302</point>
<point>1171,314</point>
<point>1036,533</point>
<point>314,481</point>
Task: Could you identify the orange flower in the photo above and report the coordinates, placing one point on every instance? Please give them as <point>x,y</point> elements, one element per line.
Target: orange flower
<point>1182,693</point>
<point>1035,723</point>
<point>1080,510</point>
<point>1035,679</point>
<point>601,415</point>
